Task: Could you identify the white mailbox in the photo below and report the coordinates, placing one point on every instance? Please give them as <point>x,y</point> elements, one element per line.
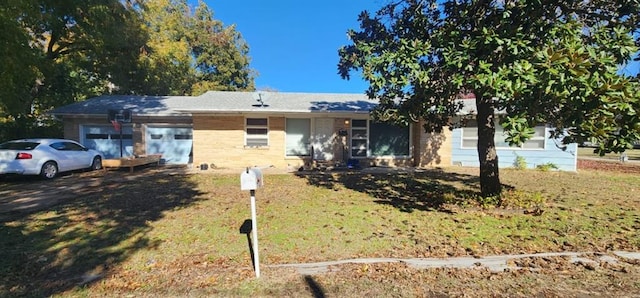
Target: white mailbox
<point>251,179</point>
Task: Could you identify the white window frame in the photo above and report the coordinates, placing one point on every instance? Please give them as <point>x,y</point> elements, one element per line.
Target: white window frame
<point>367,139</point>
<point>500,137</point>
<point>248,137</point>
<point>352,147</point>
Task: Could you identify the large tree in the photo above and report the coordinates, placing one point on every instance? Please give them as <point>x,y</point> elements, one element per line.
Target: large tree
<point>58,52</point>
<point>54,53</point>
<point>539,61</point>
<point>190,52</point>
<point>221,55</point>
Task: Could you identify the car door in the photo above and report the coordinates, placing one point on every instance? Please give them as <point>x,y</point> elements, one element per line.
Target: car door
<point>81,157</point>
<point>65,155</point>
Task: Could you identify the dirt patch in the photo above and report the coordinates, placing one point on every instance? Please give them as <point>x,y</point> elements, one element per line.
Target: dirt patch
<point>607,165</point>
<point>26,194</point>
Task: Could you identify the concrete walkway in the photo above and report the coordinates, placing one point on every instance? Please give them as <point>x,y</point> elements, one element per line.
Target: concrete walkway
<point>493,263</point>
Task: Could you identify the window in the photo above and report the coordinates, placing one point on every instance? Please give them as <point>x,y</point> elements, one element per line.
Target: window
<point>359,133</point>
<point>66,146</point>
<point>257,132</point>
<point>388,140</point>
<point>470,137</point>
<point>378,139</point>
<point>18,145</point>
<point>124,136</point>
<point>298,132</point>
<point>182,137</point>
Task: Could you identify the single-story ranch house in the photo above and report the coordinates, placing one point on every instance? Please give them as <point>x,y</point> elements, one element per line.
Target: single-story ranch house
<point>222,129</point>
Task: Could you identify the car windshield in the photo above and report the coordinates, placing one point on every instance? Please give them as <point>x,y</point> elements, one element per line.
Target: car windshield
<point>18,145</point>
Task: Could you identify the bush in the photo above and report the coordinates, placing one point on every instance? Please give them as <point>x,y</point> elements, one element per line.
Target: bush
<point>547,166</point>
<point>520,163</point>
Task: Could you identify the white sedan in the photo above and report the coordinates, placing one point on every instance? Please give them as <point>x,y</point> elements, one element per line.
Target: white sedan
<point>46,157</point>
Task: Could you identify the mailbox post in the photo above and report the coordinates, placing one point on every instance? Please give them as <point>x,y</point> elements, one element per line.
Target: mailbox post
<point>250,180</point>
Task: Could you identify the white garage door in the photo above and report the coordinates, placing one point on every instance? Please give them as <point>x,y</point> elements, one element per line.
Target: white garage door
<point>106,139</point>
<point>174,143</point>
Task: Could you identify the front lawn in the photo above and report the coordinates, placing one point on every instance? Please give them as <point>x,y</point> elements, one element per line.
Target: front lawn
<point>179,235</point>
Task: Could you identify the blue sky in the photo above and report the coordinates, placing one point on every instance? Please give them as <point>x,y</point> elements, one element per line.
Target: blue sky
<point>294,44</point>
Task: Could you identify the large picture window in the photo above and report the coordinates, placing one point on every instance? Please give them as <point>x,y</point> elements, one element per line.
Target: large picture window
<point>298,132</point>
<point>388,140</point>
<point>256,132</point>
<point>470,137</point>
<point>378,139</point>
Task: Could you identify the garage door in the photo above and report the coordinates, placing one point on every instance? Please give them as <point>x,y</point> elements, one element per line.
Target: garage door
<point>174,143</point>
<point>106,139</point>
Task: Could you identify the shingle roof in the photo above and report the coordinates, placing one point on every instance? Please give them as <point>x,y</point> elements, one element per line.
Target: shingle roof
<point>230,102</point>
<point>139,105</point>
<point>220,101</point>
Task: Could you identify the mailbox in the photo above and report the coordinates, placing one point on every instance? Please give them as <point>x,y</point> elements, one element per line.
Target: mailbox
<point>251,179</point>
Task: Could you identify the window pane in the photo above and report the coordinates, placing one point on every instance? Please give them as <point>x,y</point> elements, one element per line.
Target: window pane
<point>257,142</point>
<point>124,136</point>
<point>182,137</point>
<point>359,123</point>
<point>19,145</point>
<point>534,144</point>
<point>298,132</point>
<point>257,131</point>
<point>359,133</point>
<point>388,140</point>
<point>469,143</point>
<point>58,146</point>
<point>539,131</point>
<point>97,136</point>
<point>257,121</point>
<point>73,147</point>
<point>359,148</point>
<point>469,132</point>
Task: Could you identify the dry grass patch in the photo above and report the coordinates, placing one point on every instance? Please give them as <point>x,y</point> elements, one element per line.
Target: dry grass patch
<point>179,235</point>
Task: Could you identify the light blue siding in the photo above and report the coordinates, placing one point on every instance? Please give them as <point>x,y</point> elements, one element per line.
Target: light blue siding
<point>565,160</point>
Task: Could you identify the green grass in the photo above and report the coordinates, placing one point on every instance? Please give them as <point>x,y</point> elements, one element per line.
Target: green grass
<point>180,235</point>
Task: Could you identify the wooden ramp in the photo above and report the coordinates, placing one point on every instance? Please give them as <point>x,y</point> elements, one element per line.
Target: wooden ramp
<point>131,162</point>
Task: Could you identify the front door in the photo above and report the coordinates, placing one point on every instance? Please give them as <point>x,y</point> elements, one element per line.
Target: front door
<point>323,139</point>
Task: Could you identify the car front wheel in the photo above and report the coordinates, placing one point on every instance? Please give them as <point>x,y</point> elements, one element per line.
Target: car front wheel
<point>49,170</point>
<point>96,164</point>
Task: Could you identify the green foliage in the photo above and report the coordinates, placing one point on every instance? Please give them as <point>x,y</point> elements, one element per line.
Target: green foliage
<point>189,52</point>
<point>520,163</point>
<point>521,199</point>
<point>489,201</point>
<point>538,62</point>
<point>547,167</point>
<point>58,52</point>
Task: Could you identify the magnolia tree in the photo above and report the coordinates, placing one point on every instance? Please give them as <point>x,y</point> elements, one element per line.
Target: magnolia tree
<point>538,61</point>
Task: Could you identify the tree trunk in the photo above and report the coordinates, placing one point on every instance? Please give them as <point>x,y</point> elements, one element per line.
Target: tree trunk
<point>489,173</point>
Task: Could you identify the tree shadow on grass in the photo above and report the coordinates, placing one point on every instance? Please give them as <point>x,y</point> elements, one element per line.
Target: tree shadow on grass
<point>406,190</point>
<point>102,220</point>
